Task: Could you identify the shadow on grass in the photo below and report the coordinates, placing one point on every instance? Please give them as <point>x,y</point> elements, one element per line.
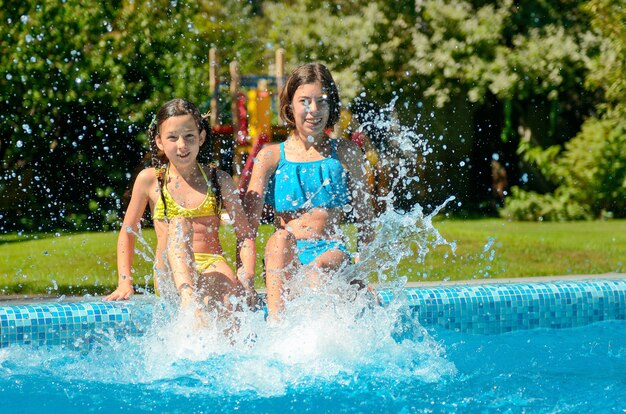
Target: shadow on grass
<point>17,238</point>
<point>67,290</point>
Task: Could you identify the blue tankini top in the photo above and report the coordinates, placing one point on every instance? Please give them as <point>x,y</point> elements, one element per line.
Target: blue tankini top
<point>304,185</point>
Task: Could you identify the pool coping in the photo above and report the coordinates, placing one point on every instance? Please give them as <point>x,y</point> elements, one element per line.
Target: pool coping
<point>19,298</point>
<point>533,279</point>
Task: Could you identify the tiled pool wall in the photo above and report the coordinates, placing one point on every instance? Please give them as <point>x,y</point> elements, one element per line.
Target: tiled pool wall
<point>476,309</point>
<point>499,308</point>
<point>77,325</point>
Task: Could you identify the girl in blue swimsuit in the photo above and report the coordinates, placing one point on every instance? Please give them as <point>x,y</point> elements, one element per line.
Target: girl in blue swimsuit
<point>310,180</point>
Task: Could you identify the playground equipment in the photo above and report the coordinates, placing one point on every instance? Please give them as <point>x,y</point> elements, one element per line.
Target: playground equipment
<point>238,141</point>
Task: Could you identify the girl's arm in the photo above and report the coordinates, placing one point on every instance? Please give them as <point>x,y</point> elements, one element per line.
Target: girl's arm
<point>264,166</point>
<point>352,158</point>
<point>246,244</point>
<point>126,239</point>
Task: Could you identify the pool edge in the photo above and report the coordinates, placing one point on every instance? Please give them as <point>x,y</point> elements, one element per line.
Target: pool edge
<point>478,306</point>
<point>25,298</point>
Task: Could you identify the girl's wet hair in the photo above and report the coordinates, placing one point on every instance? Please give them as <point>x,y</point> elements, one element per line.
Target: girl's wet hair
<point>178,107</point>
<point>307,74</point>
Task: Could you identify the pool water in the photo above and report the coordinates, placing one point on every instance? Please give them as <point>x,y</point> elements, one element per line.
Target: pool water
<point>339,356</point>
<point>569,371</point>
<point>546,370</point>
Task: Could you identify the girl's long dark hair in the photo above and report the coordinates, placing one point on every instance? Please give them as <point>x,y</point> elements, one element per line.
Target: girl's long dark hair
<point>304,75</point>
<point>178,107</point>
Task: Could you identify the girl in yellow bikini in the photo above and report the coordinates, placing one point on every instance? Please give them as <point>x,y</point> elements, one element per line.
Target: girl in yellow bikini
<point>185,199</point>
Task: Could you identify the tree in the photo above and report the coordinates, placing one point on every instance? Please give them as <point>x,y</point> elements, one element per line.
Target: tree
<point>490,73</point>
<point>588,172</point>
<point>82,79</point>
<point>474,79</point>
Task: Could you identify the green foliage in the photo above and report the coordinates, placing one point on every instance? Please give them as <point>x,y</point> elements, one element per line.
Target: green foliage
<point>80,80</point>
<point>54,138</point>
<point>531,206</point>
<point>608,65</point>
<point>589,171</point>
<point>341,34</point>
<point>589,174</point>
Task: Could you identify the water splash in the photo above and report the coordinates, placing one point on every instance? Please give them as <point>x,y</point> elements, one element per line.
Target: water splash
<point>399,236</point>
<point>331,334</point>
<point>324,341</point>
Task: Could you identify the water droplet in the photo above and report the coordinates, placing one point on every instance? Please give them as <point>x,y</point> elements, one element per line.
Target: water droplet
<point>524,178</point>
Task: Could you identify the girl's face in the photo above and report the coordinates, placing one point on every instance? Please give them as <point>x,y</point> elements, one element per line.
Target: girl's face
<point>180,139</point>
<point>310,109</point>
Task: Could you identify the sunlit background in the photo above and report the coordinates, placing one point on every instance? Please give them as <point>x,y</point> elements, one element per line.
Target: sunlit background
<point>522,103</point>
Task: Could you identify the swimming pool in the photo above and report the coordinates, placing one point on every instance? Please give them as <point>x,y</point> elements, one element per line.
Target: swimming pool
<point>556,346</point>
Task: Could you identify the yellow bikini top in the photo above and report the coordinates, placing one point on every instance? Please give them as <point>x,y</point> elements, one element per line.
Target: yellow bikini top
<point>208,207</point>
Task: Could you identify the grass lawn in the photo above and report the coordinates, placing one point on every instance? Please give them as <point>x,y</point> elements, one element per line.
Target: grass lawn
<point>521,249</point>
<point>489,248</point>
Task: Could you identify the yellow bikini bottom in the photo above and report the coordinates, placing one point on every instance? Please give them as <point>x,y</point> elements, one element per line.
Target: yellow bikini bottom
<point>202,261</point>
<point>205,260</point>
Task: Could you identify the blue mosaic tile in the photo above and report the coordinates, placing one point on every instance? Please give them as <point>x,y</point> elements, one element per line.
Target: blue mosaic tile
<point>476,309</point>
<point>492,309</point>
<point>41,324</point>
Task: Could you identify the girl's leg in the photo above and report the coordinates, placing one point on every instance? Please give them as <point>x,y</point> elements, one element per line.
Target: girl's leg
<point>330,260</point>
<point>333,260</point>
<point>180,257</point>
<point>280,258</point>
<point>326,263</point>
<point>216,285</point>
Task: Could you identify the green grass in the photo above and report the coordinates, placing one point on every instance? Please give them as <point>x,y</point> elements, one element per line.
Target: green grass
<point>81,263</point>
<point>85,262</point>
<point>523,249</point>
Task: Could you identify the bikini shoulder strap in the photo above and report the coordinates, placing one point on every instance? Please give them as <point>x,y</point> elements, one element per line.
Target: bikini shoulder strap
<point>216,187</point>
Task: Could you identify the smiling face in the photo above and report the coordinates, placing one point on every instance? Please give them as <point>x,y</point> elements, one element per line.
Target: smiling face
<point>310,109</point>
<point>180,140</point>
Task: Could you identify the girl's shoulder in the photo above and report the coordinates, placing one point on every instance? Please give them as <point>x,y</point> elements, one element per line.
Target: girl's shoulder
<point>221,177</point>
<point>268,156</point>
<point>270,150</point>
<point>148,175</point>
<point>145,182</point>
<point>221,174</point>
<point>343,144</point>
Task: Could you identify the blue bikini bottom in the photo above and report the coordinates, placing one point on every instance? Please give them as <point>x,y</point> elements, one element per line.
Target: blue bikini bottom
<point>309,249</point>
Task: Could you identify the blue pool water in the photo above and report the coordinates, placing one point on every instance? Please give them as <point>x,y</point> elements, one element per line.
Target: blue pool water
<point>542,347</point>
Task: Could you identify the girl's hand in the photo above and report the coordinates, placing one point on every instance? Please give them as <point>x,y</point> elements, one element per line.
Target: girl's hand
<point>121,293</point>
<point>252,298</point>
